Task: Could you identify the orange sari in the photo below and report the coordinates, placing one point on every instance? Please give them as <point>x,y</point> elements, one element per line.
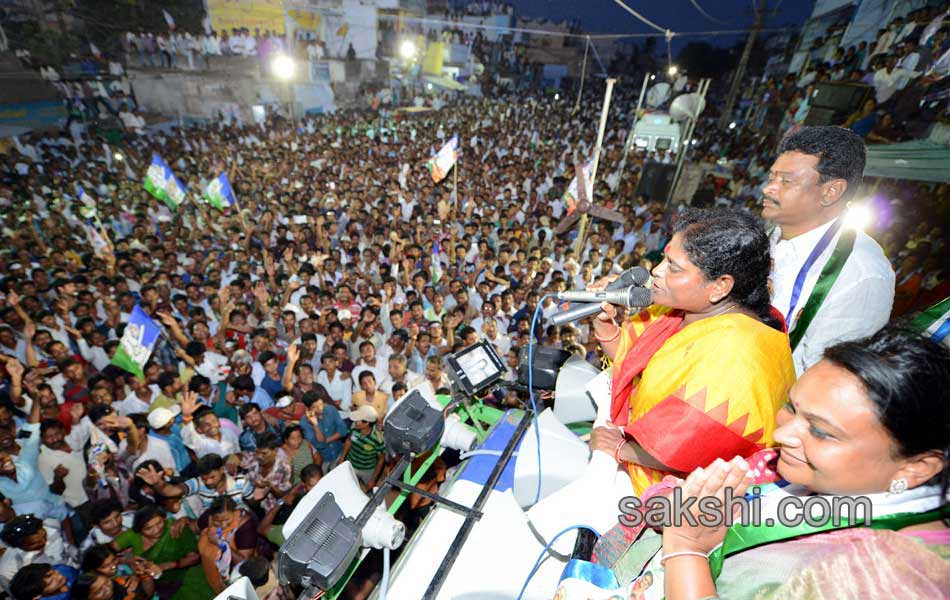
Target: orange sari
<point>688,395</point>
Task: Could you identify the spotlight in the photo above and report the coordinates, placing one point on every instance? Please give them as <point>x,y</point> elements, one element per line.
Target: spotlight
<point>858,216</point>
<point>118,156</point>
<point>652,77</point>
<point>557,97</point>
<point>428,86</point>
<point>672,70</point>
<point>283,66</point>
<point>732,125</point>
<point>407,49</point>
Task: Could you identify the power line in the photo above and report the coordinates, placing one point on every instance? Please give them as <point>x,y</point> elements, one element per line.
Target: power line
<point>706,14</point>
<point>641,17</point>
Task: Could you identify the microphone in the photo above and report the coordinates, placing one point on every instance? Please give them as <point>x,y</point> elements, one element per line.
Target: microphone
<point>632,276</point>
<point>631,297</point>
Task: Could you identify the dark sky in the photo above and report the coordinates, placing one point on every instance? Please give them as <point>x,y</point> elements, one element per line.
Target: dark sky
<point>605,16</point>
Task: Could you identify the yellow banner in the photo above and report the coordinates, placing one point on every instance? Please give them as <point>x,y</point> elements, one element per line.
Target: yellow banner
<point>432,62</point>
<point>265,15</point>
<point>306,19</point>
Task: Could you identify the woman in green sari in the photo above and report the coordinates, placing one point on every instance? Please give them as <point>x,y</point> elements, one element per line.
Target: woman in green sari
<point>173,547</point>
<point>298,451</point>
<point>864,445</point>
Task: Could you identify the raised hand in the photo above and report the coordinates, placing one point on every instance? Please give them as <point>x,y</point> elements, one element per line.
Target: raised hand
<point>189,403</point>
<point>75,412</point>
<point>150,475</point>
<point>166,319</point>
<point>293,353</point>
<point>13,299</point>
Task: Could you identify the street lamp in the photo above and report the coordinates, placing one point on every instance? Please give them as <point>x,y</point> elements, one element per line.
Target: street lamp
<point>283,67</point>
<point>407,49</point>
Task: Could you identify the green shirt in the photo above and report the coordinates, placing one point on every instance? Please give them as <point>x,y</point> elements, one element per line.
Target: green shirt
<point>365,449</point>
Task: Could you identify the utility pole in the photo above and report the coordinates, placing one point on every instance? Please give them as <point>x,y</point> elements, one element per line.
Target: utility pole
<point>760,11</point>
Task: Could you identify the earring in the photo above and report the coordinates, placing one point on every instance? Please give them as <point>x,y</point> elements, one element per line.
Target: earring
<point>897,486</point>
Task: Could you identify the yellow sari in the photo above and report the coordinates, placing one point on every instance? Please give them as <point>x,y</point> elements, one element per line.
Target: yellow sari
<point>688,395</point>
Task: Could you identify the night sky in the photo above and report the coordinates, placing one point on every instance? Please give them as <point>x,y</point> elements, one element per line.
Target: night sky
<point>604,16</point>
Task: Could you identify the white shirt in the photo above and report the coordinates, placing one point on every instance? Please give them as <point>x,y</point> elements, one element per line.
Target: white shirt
<point>859,302</point>
<point>340,389</point>
<point>203,445</point>
<point>74,494</point>
<point>158,449</point>
<point>132,404</point>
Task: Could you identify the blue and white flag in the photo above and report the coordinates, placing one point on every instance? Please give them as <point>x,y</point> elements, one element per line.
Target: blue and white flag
<point>161,182</point>
<point>137,343</point>
<point>218,193</point>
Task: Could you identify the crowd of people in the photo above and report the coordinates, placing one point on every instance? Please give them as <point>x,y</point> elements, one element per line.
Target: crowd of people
<point>293,320</point>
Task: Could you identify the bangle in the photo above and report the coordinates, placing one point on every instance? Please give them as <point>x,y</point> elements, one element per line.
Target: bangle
<point>683,553</point>
<point>607,340</point>
<point>617,451</point>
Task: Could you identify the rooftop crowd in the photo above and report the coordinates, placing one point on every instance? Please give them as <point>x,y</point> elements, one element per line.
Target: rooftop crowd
<point>293,320</point>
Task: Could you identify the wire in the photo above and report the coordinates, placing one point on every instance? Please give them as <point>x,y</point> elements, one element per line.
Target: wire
<point>544,552</point>
<point>599,62</point>
<point>706,14</point>
<point>534,408</point>
<point>641,17</point>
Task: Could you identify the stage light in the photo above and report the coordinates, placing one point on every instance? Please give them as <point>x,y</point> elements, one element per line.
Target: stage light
<point>407,49</point>
<point>118,156</point>
<point>672,70</point>
<point>283,66</point>
<point>475,368</point>
<point>858,216</point>
<point>732,125</point>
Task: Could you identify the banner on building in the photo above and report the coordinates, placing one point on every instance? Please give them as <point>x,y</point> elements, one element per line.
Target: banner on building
<point>265,15</point>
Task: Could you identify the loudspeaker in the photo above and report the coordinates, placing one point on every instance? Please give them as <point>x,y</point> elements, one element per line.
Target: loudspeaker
<point>655,181</point>
<point>832,103</point>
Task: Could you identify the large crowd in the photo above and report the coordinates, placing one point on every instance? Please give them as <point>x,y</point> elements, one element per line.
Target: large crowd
<point>294,319</point>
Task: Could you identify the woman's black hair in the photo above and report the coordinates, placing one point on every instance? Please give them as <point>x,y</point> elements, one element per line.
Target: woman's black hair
<point>257,569</point>
<point>222,504</point>
<point>907,379</point>
<point>731,241</point>
<point>29,581</point>
<point>93,558</point>
<point>144,515</point>
<point>285,434</point>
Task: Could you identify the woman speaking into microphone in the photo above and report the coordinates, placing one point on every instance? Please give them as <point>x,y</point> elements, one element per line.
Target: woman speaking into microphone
<point>701,373</point>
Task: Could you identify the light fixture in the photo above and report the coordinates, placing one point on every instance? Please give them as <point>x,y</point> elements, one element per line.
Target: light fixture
<point>475,368</point>
<point>118,156</point>
<point>557,97</point>
<point>428,86</point>
<point>407,49</point>
<point>858,216</point>
<point>732,125</point>
<point>652,77</point>
<point>283,66</point>
<point>672,70</point>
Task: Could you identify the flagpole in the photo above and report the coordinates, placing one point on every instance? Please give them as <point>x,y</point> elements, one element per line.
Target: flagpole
<point>582,229</point>
<point>455,182</point>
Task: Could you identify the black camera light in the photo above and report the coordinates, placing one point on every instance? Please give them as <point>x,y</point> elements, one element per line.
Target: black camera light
<point>476,368</point>
<point>321,549</point>
<point>413,425</point>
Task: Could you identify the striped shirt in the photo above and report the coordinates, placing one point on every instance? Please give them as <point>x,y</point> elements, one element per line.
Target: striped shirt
<point>365,449</point>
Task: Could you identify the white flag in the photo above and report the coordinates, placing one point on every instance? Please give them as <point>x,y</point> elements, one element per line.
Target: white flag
<point>95,51</point>
<point>168,18</point>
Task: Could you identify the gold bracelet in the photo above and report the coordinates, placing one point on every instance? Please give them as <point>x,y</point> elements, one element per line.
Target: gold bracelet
<point>608,340</point>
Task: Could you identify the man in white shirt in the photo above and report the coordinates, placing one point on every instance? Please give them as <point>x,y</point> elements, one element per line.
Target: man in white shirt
<point>809,185</point>
<point>203,432</point>
<point>339,387</point>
